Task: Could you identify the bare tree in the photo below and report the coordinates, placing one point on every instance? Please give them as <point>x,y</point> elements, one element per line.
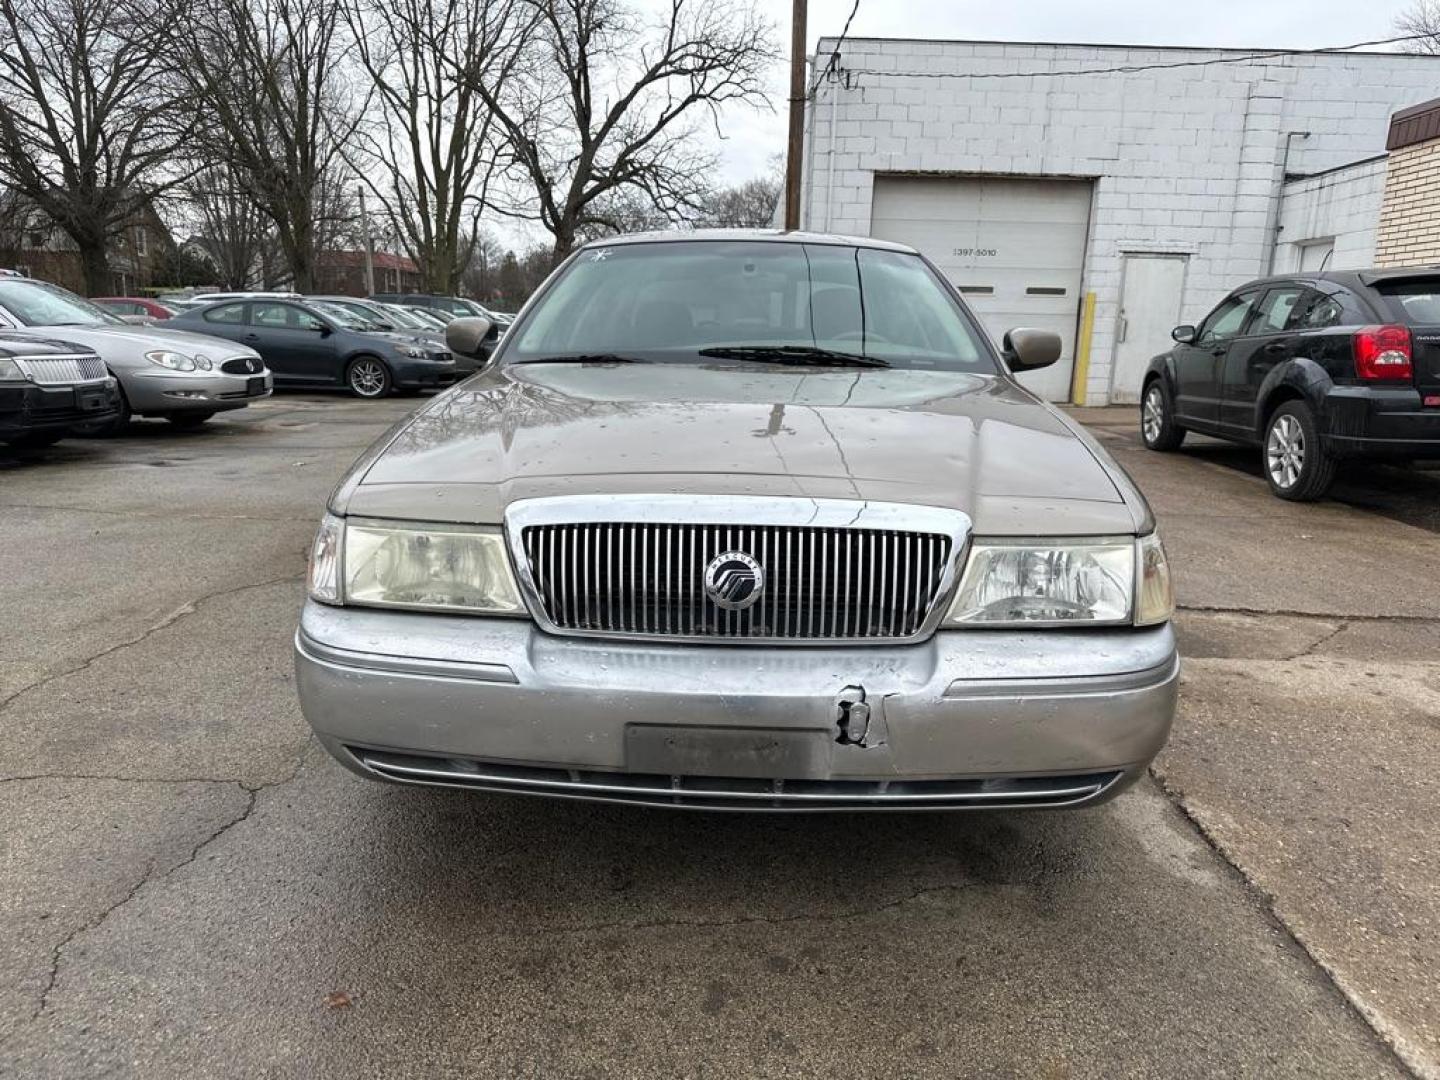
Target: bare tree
<point>750,205</point>
<point>87,124</point>
<point>233,232</point>
<point>430,152</point>
<point>613,103</point>
<point>274,79</point>
<point>1423,18</point>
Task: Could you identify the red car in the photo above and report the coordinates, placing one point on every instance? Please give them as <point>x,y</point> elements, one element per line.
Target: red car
<point>134,305</point>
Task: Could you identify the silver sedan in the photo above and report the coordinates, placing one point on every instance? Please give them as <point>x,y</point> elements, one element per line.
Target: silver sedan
<point>185,378</point>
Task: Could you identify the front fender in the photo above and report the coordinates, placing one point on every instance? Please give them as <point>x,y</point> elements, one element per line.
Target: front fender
<point>1298,376</point>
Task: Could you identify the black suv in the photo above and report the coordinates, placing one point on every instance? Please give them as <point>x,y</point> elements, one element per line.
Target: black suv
<point>305,345</point>
<point>1313,368</point>
<point>48,387</point>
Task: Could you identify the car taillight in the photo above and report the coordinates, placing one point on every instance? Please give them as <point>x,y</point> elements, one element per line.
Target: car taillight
<point>1383,352</point>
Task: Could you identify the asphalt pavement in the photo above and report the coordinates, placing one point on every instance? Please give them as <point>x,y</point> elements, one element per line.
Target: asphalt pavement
<point>192,888</point>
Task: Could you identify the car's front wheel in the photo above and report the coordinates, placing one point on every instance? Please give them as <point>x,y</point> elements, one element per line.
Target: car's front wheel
<point>1296,465</point>
<point>1157,420</point>
<point>368,377</point>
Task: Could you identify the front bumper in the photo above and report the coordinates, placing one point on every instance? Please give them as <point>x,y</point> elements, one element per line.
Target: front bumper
<point>1366,421</point>
<point>423,374</point>
<point>27,408</point>
<point>965,719</point>
<point>159,390</point>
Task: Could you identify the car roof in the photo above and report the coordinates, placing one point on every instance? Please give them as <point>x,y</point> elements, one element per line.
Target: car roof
<point>1350,279</point>
<point>768,236</point>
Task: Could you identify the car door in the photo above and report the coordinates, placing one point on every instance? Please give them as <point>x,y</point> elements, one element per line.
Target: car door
<point>223,321</point>
<point>296,344</point>
<point>1267,340</point>
<point>1199,362</point>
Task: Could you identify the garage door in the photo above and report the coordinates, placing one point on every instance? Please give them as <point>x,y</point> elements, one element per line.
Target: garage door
<point>1014,247</point>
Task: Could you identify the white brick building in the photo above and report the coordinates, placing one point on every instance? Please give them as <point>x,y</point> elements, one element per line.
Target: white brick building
<point>1156,189</point>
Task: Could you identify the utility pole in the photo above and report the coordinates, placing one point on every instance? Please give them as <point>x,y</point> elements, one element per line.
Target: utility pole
<point>795,151</point>
<point>369,244</point>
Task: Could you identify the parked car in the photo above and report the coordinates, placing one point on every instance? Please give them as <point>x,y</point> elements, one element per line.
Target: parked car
<point>306,346</point>
<point>135,307</point>
<point>48,387</point>
<point>1314,368</point>
<point>424,319</point>
<point>751,520</point>
<point>373,315</point>
<point>163,371</point>
<point>454,306</point>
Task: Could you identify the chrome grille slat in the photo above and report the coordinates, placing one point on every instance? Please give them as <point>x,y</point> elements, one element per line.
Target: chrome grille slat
<point>62,370</point>
<point>823,583</point>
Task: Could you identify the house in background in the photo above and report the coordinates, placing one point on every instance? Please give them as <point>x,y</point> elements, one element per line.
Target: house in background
<point>31,244</point>
<point>1107,192</point>
<point>343,273</point>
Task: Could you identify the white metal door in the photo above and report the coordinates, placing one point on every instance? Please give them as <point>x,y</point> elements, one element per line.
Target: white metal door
<point>1014,246</point>
<point>1149,310</point>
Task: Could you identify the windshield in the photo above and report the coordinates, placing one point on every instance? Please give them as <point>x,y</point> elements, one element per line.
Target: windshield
<point>678,302</point>
<point>1415,301</point>
<point>347,317</point>
<point>400,317</point>
<point>38,303</point>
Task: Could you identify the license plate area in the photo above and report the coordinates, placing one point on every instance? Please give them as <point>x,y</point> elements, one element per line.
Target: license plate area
<point>765,753</point>
<point>255,386</point>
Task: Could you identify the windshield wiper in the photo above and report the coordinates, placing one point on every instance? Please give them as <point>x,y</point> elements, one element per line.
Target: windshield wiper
<point>583,358</point>
<point>793,354</point>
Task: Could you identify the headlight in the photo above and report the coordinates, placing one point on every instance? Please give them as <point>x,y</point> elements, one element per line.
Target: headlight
<point>412,351</point>
<point>324,576</point>
<point>173,360</point>
<point>416,566</point>
<point>203,362</point>
<point>1047,583</point>
<point>10,371</point>
<point>1156,602</point>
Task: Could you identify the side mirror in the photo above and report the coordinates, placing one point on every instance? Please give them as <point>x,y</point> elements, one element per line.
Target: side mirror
<point>467,336</point>
<point>1027,350</point>
<point>1183,334</point>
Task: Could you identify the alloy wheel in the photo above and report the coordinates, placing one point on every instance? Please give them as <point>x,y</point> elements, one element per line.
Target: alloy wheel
<point>1285,451</point>
<point>1152,418</point>
<point>367,378</point>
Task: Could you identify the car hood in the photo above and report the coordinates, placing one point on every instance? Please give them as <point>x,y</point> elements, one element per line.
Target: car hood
<point>123,345</point>
<point>975,443</point>
<point>408,337</point>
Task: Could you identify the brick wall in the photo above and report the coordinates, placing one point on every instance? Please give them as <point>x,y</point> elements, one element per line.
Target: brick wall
<point>1186,158</point>
<point>1409,232</point>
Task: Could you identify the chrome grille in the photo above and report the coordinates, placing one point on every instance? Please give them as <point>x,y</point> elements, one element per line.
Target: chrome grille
<point>62,370</point>
<point>646,579</point>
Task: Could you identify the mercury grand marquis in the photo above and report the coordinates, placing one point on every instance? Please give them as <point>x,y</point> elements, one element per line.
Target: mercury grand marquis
<point>744,520</point>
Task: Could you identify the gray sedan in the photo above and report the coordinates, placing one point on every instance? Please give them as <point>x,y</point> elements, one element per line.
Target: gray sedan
<point>743,520</point>
<point>185,378</point>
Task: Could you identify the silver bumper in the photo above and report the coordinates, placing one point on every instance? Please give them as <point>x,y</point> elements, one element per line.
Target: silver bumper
<point>963,719</point>
<point>158,390</point>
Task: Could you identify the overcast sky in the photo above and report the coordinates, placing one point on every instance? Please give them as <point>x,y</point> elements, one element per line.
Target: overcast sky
<point>752,138</point>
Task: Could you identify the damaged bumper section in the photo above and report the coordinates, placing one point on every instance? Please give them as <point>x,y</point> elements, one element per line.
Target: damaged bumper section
<point>962,720</point>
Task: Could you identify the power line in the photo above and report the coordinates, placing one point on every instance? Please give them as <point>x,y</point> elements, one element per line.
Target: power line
<point>1126,69</point>
<point>835,51</point>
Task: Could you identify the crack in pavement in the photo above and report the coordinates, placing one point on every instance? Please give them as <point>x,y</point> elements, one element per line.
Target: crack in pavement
<point>190,607</point>
<point>1215,609</point>
<point>167,515</point>
<point>1407,1057</point>
<point>252,792</point>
